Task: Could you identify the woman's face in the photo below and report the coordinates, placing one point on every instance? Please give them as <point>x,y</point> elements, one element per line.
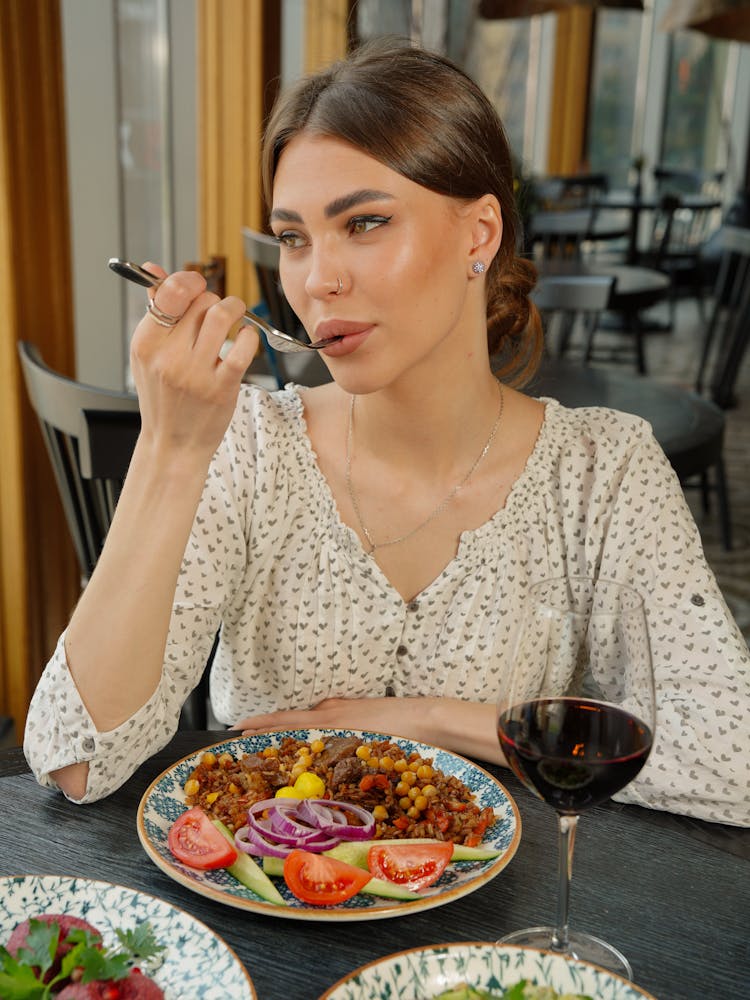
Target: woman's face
<point>403,255</point>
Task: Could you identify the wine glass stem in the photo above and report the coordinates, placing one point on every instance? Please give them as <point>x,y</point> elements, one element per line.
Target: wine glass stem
<point>567,826</point>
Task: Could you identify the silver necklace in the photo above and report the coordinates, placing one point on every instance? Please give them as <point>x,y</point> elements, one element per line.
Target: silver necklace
<point>374,546</point>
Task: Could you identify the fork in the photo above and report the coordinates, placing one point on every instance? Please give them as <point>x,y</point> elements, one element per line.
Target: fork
<point>279,341</point>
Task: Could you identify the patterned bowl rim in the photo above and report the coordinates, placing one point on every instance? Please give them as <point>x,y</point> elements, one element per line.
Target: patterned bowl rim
<point>148,898</point>
<point>458,946</point>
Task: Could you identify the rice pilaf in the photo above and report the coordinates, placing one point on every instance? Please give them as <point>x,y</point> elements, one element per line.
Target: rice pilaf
<point>407,796</point>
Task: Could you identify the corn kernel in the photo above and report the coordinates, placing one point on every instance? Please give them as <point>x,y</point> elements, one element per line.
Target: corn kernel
<point>233,788</point>
<point>285,792</point>
<point>192,787</point>
<point>363,752</point>
<point>212,797</point>
<point>380,813</point>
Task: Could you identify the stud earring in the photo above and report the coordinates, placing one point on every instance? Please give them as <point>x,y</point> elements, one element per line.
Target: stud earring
<point>478,267</point>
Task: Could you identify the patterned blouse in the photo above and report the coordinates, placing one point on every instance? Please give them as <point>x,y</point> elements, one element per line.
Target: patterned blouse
<point>305,614</point>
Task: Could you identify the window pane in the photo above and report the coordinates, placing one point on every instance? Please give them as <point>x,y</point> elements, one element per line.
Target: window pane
<point>613,89</point>
<point>692,114</point>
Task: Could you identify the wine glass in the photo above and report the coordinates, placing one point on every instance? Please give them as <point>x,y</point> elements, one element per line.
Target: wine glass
<point>576,718</point>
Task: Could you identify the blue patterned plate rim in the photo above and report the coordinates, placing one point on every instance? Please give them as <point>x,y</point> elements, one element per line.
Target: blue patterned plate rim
<point>164,800</point>
<point>434,969</point>
<point>203,965</point>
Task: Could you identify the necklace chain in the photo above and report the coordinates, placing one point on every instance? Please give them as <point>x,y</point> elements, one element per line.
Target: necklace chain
<point>374,546</point>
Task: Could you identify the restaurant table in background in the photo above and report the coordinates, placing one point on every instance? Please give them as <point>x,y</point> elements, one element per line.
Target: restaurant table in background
<point>670,892</point>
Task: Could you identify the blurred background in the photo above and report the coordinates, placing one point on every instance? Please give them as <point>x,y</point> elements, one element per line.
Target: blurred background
<point>132,128</point>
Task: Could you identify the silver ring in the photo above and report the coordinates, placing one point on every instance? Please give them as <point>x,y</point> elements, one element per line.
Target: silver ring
<point>341,285</point>
<point>162,318</point>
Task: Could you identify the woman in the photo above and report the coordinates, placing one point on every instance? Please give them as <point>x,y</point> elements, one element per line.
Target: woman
<point>374,537</point>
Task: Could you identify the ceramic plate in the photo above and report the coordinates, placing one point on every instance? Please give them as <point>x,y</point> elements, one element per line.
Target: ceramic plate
<point>425,973</point>
<point>196,963</point>
<point>164,801</point>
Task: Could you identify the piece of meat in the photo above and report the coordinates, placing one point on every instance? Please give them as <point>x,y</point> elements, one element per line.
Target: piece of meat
<point>337,748</point>
<point>135,987</point>
<point>347,772</point>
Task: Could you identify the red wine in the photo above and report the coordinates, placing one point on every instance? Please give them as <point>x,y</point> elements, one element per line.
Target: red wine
<point>571,752</point>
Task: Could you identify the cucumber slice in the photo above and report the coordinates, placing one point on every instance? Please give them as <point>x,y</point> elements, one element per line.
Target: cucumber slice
<point>250,874</point>
<point>375,887</point>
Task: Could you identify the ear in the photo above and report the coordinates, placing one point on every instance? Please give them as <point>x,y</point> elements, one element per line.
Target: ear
<point>486,230</point>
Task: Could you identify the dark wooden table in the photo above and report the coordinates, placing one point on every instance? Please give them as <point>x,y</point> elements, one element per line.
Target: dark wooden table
<point>671,893</point>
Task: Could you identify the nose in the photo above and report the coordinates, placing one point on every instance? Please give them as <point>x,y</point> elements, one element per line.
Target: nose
<point>324,277</point>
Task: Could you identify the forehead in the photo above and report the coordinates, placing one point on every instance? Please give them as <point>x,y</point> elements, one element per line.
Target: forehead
<point>314,167</point>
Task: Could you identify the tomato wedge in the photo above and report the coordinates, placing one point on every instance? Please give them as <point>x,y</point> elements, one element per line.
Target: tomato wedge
<point>411,865</point>
<point>322,881</point>
<point>194,840</point>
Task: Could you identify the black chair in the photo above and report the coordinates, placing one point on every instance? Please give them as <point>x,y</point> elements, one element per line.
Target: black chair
<point>90,434</point>
<point>564,218</point>
<point>564,300</point>
<point>679,235</point>
<point>685,180</point>
<point>308,368</point>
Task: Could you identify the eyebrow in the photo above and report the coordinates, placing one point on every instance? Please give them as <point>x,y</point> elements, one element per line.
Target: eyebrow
<point>337,206</point>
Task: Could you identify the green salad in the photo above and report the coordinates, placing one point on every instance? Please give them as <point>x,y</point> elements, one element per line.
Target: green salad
<point>520,991</point>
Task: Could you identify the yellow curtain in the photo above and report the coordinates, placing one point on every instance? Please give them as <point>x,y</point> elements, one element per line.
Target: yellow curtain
<point>570,91</point>
<point>327,25</point>
<point>232,73</point>
<point>38,574</point>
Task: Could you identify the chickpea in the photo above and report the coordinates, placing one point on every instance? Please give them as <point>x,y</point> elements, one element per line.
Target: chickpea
<point>208,759</point>
<point>225,760</point>
<point>270,752</point>
<point>424,771</point>
<point>363,752</point>
<point>405,802</point>
<point>192,787</point>
<point>429,791</point>
<point>380,813</point>
<point>421,803</point>
<point>400,766</point>
<point>387,763</point>
<point>317,746</point>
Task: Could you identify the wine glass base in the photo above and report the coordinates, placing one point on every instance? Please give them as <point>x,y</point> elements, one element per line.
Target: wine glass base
<point>583,946</point>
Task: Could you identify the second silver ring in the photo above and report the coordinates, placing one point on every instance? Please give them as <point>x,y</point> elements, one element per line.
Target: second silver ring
<point>160,317</point>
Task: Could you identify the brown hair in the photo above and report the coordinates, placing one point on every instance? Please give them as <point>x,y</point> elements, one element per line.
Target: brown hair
<point>423,117</point>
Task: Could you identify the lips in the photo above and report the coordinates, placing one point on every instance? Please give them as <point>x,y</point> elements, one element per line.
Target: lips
<point>328,328</point>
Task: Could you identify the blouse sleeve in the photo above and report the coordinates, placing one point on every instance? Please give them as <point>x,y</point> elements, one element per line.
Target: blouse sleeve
<point>700,761</point>
<point>59,729</point>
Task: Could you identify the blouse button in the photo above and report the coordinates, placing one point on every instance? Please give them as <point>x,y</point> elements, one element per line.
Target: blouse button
<point>412,606</point>
<point>402,650</point>
<point>698,600</point>
<point>88,744</point>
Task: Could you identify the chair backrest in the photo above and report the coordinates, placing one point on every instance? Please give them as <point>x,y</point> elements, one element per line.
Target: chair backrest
<point>564,299</point>
<point>679,228</point>
<point>728,331</point>
<point>263,252</point>
<point>579,293</point>
<point>90,434</point>
<point>684,180</point>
